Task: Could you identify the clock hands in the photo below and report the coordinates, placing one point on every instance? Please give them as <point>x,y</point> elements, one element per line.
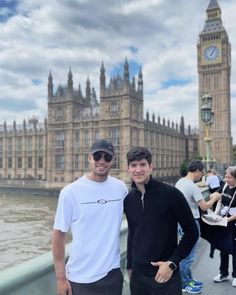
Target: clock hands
<point>213,50</point>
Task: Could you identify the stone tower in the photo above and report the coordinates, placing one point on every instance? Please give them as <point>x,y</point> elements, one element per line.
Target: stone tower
<point>121,111</point>
<point>214,70</point>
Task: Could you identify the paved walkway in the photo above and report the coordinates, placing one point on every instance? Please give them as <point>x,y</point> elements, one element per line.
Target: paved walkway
<point>205,268</point>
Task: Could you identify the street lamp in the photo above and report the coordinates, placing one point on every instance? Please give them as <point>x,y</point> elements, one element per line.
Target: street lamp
<point>207,117</point>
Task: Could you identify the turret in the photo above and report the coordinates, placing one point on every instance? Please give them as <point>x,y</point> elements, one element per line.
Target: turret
<point>70,85</point>
<point>88,91</point>
<point>24,125</point>
<point>80,92</point>
<point>50,85</point>
<point>5,127</point>
<point>140,83</point>
<point>14,126</point>
<point>126,74</point>
<point>102,80</point>
<point>181,127</point>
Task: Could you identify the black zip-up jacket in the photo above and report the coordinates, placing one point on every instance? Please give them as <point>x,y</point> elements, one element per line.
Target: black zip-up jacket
<point>152,223</point>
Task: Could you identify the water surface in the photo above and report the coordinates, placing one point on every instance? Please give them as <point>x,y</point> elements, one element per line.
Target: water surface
<point>25,227</point>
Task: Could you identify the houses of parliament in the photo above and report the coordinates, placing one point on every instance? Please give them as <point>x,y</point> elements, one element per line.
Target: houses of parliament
<point>57,149</point>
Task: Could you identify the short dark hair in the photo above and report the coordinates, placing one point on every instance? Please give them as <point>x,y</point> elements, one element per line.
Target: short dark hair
<point>196,165</point>
<point>138,153</point>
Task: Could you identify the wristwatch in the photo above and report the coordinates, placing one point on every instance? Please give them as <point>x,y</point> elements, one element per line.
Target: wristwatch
<point>172,265</point>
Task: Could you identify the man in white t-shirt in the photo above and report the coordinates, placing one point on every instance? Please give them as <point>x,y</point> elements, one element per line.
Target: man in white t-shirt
<point>91,207</point>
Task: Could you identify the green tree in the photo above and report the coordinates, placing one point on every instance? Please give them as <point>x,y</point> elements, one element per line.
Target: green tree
<point>234,153</point>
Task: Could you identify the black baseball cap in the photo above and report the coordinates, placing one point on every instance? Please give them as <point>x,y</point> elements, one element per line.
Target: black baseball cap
<point>103,146</point>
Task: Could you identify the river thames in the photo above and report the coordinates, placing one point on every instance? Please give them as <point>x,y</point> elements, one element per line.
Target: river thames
<point>25,227</point>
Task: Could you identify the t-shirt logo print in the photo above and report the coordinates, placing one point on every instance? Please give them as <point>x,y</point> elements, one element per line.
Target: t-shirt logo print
<point>100,201</point>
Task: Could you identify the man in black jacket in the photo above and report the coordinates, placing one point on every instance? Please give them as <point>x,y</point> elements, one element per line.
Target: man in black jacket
<point>153,210</point>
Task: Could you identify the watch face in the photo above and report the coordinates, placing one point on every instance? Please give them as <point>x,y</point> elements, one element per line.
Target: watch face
<point>211,53</point>
<point>172,265</point>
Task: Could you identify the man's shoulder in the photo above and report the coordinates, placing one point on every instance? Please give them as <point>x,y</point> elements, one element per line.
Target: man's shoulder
<point>117,182</point>
<point>72,185</point>
<point>115,179</point>
<point>163,186</point>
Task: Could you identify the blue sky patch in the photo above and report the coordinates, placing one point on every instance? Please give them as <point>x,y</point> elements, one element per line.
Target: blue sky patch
<point>36,81</point>
<point>119,68</point>
<point>174,82</point>
<point>133,49</point>
<point>7,10</point>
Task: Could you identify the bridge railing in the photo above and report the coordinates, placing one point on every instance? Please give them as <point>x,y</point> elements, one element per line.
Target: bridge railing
<point>36,276</point>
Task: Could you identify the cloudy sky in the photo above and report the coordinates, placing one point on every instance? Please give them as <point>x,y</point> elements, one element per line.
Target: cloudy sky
<point>37,36</point>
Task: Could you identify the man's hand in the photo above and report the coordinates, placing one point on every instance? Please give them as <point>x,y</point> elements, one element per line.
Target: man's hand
<point>164,272</point>
<point>63,287</point>
<point>216,196</point>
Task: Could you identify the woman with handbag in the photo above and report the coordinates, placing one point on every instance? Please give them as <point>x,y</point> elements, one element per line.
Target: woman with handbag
<point>228,208</point>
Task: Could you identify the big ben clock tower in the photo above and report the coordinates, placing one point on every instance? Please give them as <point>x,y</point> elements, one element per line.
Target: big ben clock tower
<point>214,69</point>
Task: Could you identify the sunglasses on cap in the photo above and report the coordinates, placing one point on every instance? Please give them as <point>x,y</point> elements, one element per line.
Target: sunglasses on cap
<point>98,155</point>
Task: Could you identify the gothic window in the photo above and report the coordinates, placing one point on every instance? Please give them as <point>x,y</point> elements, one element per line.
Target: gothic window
<point>116,164</point>
<point>9,162</point>
<point>40,162</point>
<point>1,165</point>
<point>59,162</point>
<point>86,161</point>
<point>86,137</point>
<point>30,162</point>
<point>1,144</point>
<point>19,144</point>
<point>76,162</point>
<point>134,137</point>
<point>29,145</point>
<point>10,148</point>
<point>59,114</point>
<point>60,139</point>
<point>114,135</point>
<point>96,134</point>
<point>40,142</point>
<point>114,107</point>
<point>19,162</point>
<point>77,138</point>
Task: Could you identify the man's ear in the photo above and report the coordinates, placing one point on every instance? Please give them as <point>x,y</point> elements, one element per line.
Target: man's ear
<point>90,156</point>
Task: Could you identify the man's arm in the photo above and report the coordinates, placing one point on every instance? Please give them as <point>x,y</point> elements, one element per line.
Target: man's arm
<point>58,250</point>
<point>204,205</point>
<point>186,220</point>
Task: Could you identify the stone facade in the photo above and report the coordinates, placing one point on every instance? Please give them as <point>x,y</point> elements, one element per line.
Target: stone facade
<point>57,150</point>
<point>214,70</point>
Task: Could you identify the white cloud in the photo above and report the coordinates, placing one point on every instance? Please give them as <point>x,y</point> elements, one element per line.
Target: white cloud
<point>43,35</point>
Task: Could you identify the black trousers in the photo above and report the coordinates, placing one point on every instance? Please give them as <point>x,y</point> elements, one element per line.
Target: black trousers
<point>112,283</point>
<point>224,264</point>
<point>143,285</point>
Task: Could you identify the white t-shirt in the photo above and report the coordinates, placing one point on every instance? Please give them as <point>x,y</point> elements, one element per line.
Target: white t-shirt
<point>93,211</point>
<point>213,181</point>
<point>191,192</point>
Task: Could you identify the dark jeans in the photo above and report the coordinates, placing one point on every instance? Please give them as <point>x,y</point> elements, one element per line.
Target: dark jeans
<point>112,283</point>
<point>224,264</point>
<point>143,285</point>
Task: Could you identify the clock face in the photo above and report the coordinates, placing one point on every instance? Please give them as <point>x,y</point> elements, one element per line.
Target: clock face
<point>211,53</point>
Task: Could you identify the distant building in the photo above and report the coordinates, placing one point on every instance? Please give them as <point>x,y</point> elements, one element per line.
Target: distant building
<point>214,70</point>
<point>57,149</point>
